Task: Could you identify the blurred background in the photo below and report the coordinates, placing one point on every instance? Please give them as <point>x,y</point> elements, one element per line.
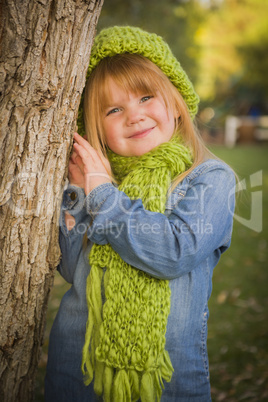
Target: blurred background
<point>223,46</point>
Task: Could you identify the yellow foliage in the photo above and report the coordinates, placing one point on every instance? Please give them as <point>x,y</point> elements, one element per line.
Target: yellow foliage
<point>220,38</point>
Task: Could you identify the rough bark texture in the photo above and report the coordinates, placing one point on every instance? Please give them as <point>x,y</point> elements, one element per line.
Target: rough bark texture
<point>45,47</point>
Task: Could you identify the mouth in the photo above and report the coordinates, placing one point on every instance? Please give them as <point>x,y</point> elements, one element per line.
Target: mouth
<point>141,133</point>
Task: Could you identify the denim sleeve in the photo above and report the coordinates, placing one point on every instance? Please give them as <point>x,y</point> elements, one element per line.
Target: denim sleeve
<point>167,246</point>
<point>71,242</point>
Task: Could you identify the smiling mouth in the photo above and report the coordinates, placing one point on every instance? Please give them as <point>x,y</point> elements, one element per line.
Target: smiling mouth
<point>142,133</point>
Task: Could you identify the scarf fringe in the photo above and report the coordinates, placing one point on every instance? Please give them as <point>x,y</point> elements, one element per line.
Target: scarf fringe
<point>128,385</point>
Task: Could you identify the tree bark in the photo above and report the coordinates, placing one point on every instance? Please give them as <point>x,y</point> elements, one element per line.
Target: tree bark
<point>45,48</point>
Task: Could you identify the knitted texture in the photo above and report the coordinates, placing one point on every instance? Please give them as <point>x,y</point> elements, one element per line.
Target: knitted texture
<point>125,337</point>
<point>126,39</point>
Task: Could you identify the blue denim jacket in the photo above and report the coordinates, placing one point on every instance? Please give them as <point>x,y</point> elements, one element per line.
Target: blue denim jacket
<point>183,245</point>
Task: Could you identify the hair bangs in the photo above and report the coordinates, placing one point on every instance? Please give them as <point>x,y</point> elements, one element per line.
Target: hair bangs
<point>134,74</point>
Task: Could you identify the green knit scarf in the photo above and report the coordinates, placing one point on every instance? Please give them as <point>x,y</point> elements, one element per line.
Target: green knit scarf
<point>124,346</point>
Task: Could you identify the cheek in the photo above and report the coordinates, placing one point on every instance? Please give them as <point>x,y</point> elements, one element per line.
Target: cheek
<point>168,123</point>
<point>112,140</point>
<point>172,124</point>
<point>170,120</point>
<point>164,115</point>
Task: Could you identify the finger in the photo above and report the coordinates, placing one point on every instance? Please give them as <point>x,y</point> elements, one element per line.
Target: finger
<point>82,152</point>
<point>86,152</point>
<point>79,163</point>
<point>81,141</point>
<point>84,143</point>
<point>73,156</point>
<point>71,162</point>
<point>75,159</point>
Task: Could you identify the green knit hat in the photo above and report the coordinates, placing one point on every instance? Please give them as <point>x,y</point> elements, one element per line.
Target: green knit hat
<point>126,39</point>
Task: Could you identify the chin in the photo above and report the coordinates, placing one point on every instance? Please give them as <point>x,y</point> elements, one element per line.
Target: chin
<point>144,150</point>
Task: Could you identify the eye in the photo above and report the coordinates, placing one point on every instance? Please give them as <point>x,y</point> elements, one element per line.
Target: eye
<point>115,110</point>
<point>146,98</point>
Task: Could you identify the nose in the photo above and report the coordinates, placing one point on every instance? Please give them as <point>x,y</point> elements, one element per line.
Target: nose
<point>134,116</point>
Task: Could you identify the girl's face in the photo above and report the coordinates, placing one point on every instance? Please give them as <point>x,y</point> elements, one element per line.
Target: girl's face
<point>134,124</point>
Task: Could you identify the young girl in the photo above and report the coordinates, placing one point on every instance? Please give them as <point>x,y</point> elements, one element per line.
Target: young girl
<point>156,211</point>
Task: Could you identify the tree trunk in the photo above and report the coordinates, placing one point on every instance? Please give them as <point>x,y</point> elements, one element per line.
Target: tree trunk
<point>45,48</point>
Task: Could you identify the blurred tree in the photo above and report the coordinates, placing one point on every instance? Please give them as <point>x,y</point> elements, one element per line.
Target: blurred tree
<point>234,55</point>
<point>254,54</point>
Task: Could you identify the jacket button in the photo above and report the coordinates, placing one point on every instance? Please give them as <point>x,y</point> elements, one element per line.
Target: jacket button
<point>73,195</point>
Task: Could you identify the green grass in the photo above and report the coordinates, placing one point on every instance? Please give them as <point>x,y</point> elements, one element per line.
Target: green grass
<point>238,330</point>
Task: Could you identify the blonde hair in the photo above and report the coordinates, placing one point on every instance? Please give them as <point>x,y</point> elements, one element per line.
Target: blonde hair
<point>137,74</point>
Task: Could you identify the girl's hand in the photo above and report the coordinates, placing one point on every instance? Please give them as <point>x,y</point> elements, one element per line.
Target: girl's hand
<point>96,169</point>
<point>76,175</point>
